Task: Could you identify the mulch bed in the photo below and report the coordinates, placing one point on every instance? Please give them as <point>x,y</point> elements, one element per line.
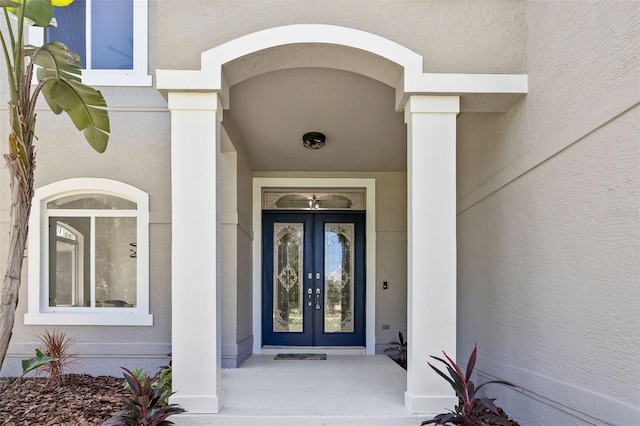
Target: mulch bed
<point>80,400</point>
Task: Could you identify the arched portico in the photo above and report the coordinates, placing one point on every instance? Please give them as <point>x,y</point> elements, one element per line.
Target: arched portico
<point>430,101</point>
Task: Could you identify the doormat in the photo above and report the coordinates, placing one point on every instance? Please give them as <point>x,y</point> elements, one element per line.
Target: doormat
<point>311,357</point>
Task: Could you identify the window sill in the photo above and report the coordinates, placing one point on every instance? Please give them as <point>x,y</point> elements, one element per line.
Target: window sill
<point>68,318</point>
<point>115,78</point>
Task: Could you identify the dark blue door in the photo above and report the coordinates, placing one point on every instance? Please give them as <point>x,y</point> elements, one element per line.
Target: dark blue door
<point>313,278</point>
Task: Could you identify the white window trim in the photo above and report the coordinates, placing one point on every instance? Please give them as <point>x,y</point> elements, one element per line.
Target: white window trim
<point>38,312</point>
<point>139,75</point>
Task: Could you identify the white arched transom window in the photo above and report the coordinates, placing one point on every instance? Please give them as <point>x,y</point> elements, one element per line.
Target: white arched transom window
<point>88,254</point>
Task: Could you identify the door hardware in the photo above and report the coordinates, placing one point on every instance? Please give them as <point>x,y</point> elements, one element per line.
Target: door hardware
<point>317,299</point>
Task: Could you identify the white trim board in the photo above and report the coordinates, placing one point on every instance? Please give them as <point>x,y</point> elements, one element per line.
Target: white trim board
<point>369,184</point>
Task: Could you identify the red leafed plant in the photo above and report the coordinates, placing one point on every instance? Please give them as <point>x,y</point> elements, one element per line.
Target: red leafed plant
<point>52,357</point>
<point>56,344</point>
<point>471,409</point>
<point>146,406</point>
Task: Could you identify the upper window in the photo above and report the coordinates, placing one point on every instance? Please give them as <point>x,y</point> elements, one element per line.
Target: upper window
<point>89,262</point>
<point>320,200</point>
<point>109,35</point>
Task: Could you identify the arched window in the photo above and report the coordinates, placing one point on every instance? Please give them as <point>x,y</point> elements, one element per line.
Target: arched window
<point>89,262</point>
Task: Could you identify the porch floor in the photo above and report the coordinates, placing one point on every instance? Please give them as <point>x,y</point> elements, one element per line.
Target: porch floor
<point>343,390</point>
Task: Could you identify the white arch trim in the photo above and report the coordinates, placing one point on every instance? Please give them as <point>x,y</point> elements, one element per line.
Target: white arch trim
<point>505,88</point>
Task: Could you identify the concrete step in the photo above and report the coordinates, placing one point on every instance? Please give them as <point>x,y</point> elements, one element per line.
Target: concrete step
<point>239,420</point>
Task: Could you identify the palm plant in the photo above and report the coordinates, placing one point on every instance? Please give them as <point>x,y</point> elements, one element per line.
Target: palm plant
<point>58,79</point>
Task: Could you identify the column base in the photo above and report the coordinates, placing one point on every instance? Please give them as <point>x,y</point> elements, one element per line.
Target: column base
<point>417,404</point>
<point>198,404</point>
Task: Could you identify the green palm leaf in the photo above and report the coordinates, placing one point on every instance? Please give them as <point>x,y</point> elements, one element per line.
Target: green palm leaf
<point>55,60</point>
<point>59,70</point>
<point>8,3</point>
<point>84,105</point>
<point>38,12</point>
<point>34,363</point>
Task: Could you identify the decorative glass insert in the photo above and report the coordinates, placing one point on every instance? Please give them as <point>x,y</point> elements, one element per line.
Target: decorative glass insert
<point>92,202</point>
<point>322,199</point>
<point>288,257</point>
<point>339,258</point>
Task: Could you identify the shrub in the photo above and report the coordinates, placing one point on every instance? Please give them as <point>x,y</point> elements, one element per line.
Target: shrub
<point>400,350</point>
<point>146,405</point>
<point>471,409</point>
<point>162,379</point>
<point>52,357</point>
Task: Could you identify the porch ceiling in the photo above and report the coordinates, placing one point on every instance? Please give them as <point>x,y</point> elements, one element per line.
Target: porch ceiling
<point>269,113</point>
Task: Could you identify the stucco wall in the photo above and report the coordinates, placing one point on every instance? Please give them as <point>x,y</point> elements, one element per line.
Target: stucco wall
<point>138,154</point>
<point>452,36</point>
<point>245,264</point>
<point>549,222</point>
<point>236,261</point>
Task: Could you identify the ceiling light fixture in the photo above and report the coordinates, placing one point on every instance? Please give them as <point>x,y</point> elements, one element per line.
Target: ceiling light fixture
<point>313,140</point>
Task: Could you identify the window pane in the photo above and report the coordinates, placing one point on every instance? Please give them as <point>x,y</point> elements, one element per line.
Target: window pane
<point>112,34</point>
<point>115,268</point>
<point>338,272</point>
<point>71,28</point>
<point>62,232</point>
<point>68,261</point>
<point>288,260</point>
<point>92,201</point>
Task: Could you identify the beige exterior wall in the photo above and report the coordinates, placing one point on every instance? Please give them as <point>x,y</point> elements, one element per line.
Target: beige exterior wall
<point>548,193</point>
<point>452,36</point>
<point>549,222</point>
<point>236,246</point>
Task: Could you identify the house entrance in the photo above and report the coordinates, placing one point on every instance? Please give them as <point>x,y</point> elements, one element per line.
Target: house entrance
<point>313,283</point>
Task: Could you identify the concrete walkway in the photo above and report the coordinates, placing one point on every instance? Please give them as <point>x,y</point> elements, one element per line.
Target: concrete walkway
<point>343,390</point>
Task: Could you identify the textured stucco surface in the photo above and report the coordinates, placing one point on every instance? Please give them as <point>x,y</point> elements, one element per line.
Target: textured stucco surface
<point>236,262</point>
<point>481,37</point>
<point>549,264</point>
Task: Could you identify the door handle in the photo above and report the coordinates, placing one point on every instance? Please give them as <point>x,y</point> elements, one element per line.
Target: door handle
<point>317,298</point>
<point>309,293</point>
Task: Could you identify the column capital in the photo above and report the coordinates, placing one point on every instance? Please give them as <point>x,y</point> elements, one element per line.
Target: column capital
<point>432,104</point>
<point>195,101</point>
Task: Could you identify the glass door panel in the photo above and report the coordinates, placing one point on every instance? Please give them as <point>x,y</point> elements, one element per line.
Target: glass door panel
<point>338,272</point>
<point>313,278</point>
<point>288,314</point>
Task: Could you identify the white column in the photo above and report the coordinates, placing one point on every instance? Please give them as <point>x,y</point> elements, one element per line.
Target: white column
<point>431,256</point>
<point>195,263</point>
